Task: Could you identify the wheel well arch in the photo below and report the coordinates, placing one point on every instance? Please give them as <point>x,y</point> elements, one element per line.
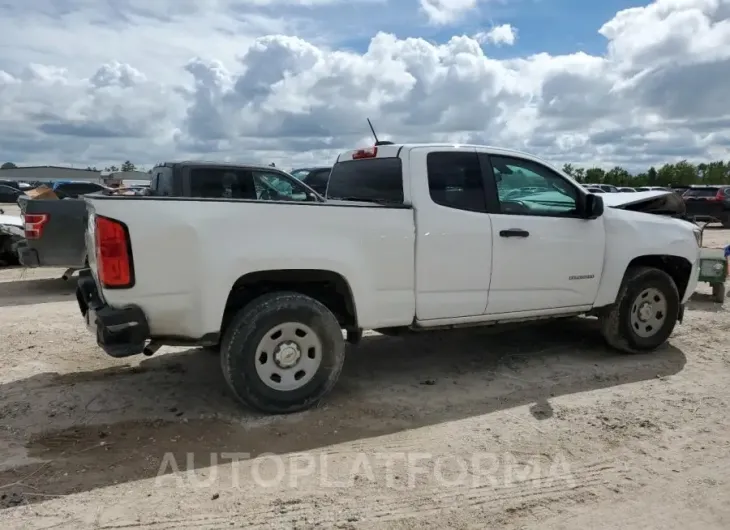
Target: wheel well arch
<point>327,287</point>
<point>677,267</point>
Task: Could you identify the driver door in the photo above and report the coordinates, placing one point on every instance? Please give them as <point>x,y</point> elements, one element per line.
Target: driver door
<point>545,257</point>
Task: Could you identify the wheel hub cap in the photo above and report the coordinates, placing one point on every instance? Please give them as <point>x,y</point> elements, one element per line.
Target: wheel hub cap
<point>287,354</point>
<point>646,311</point>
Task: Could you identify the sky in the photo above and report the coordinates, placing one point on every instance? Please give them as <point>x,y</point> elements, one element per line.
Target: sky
<point>591,83</point>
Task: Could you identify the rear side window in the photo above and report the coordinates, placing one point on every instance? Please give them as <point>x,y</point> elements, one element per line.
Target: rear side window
<point>455,181</point>
<point>369,180</point>
<point>222,183</point>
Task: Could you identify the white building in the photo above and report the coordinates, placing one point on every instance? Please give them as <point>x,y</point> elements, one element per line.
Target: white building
<point>49,174</point>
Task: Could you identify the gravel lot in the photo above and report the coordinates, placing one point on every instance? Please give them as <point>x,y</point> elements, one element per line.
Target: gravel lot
<point>539,427</point>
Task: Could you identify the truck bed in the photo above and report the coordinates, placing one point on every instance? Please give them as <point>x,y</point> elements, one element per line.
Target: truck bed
<point>194,239</point>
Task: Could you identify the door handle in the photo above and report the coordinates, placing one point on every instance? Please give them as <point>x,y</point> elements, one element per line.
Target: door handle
<point>514,232</point>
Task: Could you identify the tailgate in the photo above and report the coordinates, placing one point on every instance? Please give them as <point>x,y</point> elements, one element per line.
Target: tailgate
<point>61,243</point>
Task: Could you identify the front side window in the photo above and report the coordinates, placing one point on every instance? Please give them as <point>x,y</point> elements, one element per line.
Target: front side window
<point>529,188</point>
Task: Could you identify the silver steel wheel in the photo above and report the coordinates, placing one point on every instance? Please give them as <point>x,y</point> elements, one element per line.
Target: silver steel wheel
<point>648,312</point>
<point>288,356</point>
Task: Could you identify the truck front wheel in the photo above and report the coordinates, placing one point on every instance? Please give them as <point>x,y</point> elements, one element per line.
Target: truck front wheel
<point>645,312</point>
<point>282,353</point>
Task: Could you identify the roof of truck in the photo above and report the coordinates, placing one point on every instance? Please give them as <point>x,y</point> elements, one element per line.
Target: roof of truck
<point>217,164</point>
<point>393,150</point>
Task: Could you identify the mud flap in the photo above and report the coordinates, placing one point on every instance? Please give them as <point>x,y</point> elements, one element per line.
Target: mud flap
<point>680,316</point>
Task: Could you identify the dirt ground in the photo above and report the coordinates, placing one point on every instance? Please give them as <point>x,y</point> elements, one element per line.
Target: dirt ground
<point>540,427</point>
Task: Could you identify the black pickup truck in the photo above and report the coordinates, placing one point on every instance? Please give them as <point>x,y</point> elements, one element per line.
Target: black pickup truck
<point>55,229</point>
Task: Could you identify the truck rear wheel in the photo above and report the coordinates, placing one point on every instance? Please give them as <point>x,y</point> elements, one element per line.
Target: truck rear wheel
<point>645,312</point>
<point>282,353</point>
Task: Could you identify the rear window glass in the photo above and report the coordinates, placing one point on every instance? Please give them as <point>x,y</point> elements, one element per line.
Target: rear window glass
<point>370,180</point>
<point>701,192</point>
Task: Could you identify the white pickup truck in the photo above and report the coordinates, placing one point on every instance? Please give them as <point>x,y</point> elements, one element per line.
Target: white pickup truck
<point>410,238</point>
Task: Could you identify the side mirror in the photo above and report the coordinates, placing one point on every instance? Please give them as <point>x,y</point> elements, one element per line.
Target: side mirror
<point>593,206</point>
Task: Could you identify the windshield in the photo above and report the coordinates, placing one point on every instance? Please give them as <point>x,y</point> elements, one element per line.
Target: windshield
<point>369,180</point>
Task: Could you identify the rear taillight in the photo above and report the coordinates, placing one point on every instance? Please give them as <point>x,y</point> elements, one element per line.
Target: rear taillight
<point>720,195</point>
<point>34,223</point>
<point>113,253</point>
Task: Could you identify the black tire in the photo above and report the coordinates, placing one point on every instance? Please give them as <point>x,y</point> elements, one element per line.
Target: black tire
<point>616,324</point>
<point>726,222</point>
<point>718,292</point>
<point>251,324</point>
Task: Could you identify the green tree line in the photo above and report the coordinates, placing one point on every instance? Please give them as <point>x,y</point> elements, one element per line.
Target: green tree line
<point>681,173</point>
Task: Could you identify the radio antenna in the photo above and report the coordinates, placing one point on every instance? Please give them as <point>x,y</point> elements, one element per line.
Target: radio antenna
<point>377,142</point>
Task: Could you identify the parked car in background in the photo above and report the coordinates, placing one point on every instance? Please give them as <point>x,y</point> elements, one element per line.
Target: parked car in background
<point>10,184</point>
<point>626,189</point>
<point>708,202</point>
<point>73,190</point>
<point>679,189</point>
<point>314,177</point>
<point>54,230</point>
<point>593,189</point>
<point>9,194</point>
<point>607,188</point>
<point>652,188</point>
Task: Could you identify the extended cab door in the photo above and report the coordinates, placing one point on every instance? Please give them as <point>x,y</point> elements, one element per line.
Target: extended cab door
<point>453,233</point>
<point>545,256</point>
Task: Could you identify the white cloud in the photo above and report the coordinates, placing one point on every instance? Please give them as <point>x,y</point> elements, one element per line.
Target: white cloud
<point>498,35</point>
<point>447,11</point>
<point>89,93</point>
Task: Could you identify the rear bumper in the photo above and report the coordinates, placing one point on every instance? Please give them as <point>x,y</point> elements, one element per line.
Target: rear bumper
<point>28,257</point>
<point>119,332</point>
